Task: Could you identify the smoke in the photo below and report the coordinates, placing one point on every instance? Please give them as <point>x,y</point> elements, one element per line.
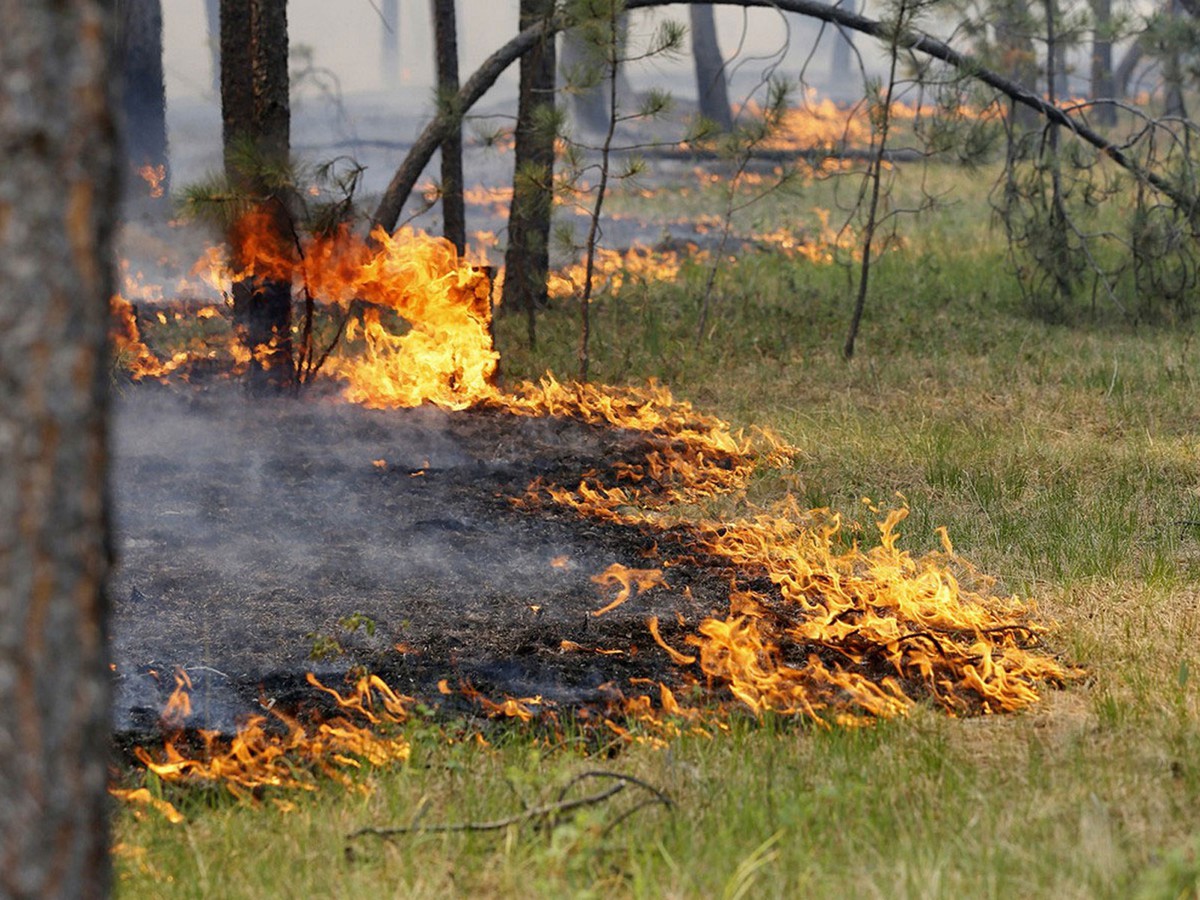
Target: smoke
<point>260,539</point>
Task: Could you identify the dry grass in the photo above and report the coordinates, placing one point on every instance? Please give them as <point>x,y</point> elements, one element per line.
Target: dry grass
<point>1064,461</point>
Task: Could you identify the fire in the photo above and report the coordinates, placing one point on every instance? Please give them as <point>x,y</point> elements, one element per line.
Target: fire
<point>279,751</point>
<point>843,636</point>
<point>155,177</point>
<point>613,270</point>
<point>628,580</point>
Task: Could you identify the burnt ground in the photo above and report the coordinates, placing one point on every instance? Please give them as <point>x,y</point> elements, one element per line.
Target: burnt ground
<point>252,535</point>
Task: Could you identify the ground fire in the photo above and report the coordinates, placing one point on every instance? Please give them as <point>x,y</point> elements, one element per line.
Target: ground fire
<point>811,624</point>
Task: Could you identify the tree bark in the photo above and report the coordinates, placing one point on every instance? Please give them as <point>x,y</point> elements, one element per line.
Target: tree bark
<point>445,41</point>
<point>527,256</point>
<point>256,120</point>
<point>139,48</point>
<point>57,204</point>
<point>423,148</point>
<point>711,89</point>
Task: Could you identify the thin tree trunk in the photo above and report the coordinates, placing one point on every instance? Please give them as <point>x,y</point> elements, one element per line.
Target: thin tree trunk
<point>843,49</point>
<point>527,256</point>
<point>582,66</point>
<point>711,90</point>
<point>445,41</point>
<point>139,48</point>
<point>57,204</point>
<point>389,43</point>
<point>1173,74</point>
<point>1102,85</point>
<point>256,119</point>
<point>1125,68</point>
<point>422,150</point>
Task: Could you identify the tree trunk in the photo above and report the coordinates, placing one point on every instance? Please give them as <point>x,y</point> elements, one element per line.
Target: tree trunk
<point>710,67</point>
<point>583,69</point>
<point>139,48</point>
<point>1173,74</point>
<point>527,256</point>
<point>587,72</point>
<point>389,43</point>
<point>422,150</point>
<point>445,41</point>
<point>1125,68</point>
<point>840,67</point>
<point>1103,87</point>
<point>57,204</point>
<point>256,120</point>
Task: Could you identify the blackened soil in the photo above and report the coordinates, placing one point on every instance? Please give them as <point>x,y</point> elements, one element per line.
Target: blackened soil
<point>258,540</point>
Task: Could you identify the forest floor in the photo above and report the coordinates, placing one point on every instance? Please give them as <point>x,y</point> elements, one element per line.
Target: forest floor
<point>1062,459</point>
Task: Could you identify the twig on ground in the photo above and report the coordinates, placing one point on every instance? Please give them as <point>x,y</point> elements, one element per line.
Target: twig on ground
<point>546,815</point>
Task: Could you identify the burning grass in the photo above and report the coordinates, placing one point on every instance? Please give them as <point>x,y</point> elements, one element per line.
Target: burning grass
<point>815,627</point>
<point>1062,459</point>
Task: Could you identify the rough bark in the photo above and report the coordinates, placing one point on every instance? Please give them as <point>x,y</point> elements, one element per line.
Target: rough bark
<point>527,255</point>
<point>256,121</point>
<point>445,41</point>
<point>57,199</point>
<point>711,89</point>
<point>139,48</point>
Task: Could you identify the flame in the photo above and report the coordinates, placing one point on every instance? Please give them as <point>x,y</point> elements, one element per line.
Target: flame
<point>613,270</point>
<point>844,636</point>
<point>281,752</point>
<point>154,176</point>
<point>628,581</point>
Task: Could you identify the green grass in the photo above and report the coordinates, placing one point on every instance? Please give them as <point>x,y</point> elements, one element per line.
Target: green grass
<point>1063,461</point>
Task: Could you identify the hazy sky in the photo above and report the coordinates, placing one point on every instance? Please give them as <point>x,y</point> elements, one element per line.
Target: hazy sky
<point>345,37</point>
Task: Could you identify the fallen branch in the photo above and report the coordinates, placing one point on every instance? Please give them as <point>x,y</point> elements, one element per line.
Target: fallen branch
<point>546,816</point>
<point>427,143</point>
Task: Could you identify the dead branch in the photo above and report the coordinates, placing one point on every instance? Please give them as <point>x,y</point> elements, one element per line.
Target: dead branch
<point>423,148</point>
<point>546,816</point>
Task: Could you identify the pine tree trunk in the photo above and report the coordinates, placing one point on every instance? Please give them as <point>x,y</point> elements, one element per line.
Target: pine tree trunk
<point>57,202</point>
<point>256,120</point>
<point>527,256</point>
<point>843,49</point>
<point>445,41</point>
<point>1103,86</point>
<point>710,67</point>
<point>583,67</point>
<point>139,48</point>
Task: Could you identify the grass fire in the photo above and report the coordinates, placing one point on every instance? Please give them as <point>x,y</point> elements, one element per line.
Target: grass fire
<point>797,619</point>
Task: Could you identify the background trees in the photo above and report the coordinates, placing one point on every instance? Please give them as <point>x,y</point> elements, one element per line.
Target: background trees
<point>57,200</point>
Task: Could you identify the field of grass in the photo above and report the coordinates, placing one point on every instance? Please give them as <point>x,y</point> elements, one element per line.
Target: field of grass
<point>1063,461</point>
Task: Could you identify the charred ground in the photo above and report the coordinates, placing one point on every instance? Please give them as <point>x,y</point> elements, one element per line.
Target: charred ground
<point>259,540</point>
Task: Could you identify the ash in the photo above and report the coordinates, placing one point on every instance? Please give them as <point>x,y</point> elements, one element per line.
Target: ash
<point>259,540</point>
